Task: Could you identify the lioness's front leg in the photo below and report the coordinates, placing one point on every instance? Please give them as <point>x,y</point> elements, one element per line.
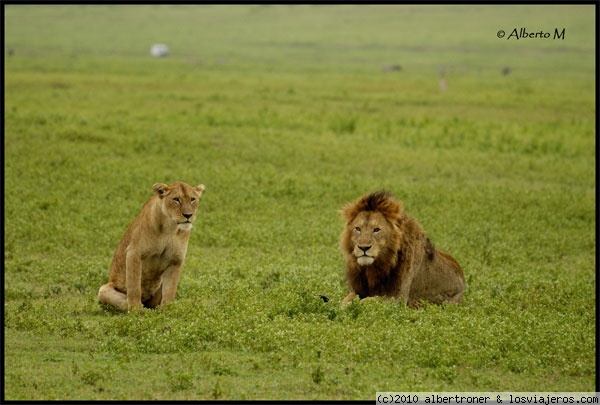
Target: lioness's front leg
<point>133,279</point>
<point>170,281</point>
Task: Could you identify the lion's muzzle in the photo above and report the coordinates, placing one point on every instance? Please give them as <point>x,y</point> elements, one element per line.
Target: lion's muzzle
<point>365,260</point>
<point>363,257</point>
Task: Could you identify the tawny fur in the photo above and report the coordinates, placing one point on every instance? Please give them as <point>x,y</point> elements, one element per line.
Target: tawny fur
<point>148,262</point>
<point>388,254</point>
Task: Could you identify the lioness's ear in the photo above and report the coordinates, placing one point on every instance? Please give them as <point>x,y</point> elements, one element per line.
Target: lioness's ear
<point>161,189</point>
<point>200,188</point>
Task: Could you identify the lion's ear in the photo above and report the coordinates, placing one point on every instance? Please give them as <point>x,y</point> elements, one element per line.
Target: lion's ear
<point>200,188</point>
<point>349,212</point>
<point>161,189</point>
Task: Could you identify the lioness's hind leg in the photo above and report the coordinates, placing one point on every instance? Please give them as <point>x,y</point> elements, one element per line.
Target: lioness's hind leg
<point>108,295</point>
<point>155,300</point>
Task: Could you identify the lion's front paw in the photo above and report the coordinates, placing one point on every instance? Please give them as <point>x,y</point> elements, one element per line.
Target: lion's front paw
<point>348,300</point>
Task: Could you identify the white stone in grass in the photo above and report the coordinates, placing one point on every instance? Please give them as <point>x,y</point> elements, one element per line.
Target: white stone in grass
<point>159,50</point>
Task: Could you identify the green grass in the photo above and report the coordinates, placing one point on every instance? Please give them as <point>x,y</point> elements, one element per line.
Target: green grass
<point>285,114</point>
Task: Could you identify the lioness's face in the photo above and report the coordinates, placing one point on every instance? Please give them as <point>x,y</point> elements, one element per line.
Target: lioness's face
<point>180,202</point>
<point>369,235</point>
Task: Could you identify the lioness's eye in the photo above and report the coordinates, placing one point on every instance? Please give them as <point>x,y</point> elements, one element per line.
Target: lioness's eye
<point>193,200</point>
<point>376,230</point>
<point>177,200</point>
<point>357,229</point>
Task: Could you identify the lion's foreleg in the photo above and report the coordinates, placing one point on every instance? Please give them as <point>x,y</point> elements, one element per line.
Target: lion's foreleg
<point>407,274</point>
<point>133,279</point>
<point>406,277</point>
<point>349,298</point>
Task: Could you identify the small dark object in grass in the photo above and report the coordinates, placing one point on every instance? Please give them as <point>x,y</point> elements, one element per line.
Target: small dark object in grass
<point>324,298</point>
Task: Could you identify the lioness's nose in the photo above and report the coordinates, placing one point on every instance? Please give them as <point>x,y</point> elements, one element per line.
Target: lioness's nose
<point>188,216</point>
<point>364,248</point>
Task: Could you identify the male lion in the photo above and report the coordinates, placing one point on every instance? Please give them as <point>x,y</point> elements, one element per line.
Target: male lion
<point>147,265</point>
<point>387,253</point>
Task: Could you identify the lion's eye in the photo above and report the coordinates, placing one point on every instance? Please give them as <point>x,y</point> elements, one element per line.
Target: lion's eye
<point>357,228</point>
<point>177,200</point>
<point>193,200</point>
<point>376,230</point>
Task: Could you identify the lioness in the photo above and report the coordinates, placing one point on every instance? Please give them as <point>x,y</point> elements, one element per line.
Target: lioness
<point>388,254</point>
<point>147,265</point>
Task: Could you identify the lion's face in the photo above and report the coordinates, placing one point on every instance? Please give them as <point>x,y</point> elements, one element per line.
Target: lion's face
<point>370,235</point>
<point>179,202</point>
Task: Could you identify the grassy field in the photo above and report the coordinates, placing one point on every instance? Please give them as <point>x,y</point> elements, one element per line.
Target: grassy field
<point>285,113</point>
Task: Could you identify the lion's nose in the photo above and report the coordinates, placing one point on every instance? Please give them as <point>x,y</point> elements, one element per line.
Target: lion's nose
<point>187,216</point>
<point>364,248</point>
